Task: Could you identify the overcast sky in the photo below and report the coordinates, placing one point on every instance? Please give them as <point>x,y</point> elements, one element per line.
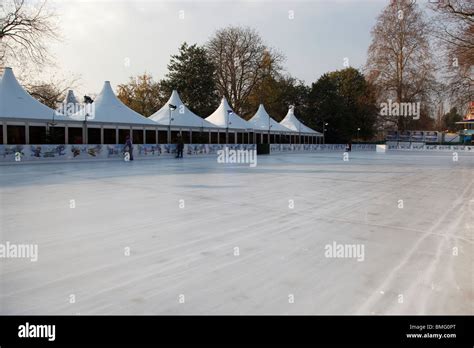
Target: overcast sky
<point>112,40</point>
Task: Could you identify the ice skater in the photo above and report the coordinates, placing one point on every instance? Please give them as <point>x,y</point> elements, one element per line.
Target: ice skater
<point>128,147</point>
<point>179,147</point>
<point>349,146</point>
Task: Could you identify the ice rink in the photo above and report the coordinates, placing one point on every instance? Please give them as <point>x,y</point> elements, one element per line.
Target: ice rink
<point>192,236</point>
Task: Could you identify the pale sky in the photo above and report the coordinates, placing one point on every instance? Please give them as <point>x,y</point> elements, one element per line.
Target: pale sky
<point>112,40</point>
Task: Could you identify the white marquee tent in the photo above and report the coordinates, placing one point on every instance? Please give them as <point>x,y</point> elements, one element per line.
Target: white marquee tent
<point>107,108</point>
<point>225,117</point>
<point>70,98</point>
<point>16,103</point>
<point>262,121</point>
<point>290,121</point>
<point>70,104</point>
<point>181,117</point>
<point>24,120</point>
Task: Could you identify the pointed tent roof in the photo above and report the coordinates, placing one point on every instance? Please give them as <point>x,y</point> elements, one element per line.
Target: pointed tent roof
<point>70,103</point>
<point>108,108</point>
<point>262,120</point>
<point>70,98</point>
<point>290,121</point>
<point>221,115</point>
<point>182,116</point>
<point>15,102</point>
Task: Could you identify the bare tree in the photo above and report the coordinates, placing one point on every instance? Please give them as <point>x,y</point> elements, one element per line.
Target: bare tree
<point>399,58</point>
<point>52,92</point>
<point>23,31</point>
<point>242,61</point>
<point>454,31</point>
<point>455,19</point>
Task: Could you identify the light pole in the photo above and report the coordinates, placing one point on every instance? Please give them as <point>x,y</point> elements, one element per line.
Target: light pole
<point>358,130</point>
<point>324,132</point>
<point>87,101</point>
<point>269,127</point>
<point>49,131</point>
<point>299,131</point>
<point>229,112</point>
<point>171,108</point>
<point>202,131</point>
<point>86,135</point>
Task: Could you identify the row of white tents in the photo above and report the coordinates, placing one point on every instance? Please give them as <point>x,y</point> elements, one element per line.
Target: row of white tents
<point>19,108</point>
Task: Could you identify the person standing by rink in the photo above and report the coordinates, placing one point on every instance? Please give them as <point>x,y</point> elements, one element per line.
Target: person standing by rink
<point>179,147</point>
<point>128,147</point>
<point>349,146</point>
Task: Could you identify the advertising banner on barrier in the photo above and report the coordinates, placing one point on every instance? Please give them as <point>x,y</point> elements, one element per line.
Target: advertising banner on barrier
<point>32,153</point>
<point>423,147</point>
<point>319,147</point>
<point>42,153</point>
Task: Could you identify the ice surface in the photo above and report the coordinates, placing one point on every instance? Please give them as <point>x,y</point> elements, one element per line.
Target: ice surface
<point>190,250</point>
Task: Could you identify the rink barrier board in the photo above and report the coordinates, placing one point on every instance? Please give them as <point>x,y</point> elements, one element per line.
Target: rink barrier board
<point>423,147</point>
<point>32,153</point>
<point>41,153</point>
<point>278,148</point>
<point>60,152</point>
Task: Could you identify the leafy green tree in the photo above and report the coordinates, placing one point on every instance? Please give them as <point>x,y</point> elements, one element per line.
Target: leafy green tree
<point>346,101</point>
<point>142,94</point>
<point>191,73</point>
<point>450,119</point>
<point>277,93</point>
